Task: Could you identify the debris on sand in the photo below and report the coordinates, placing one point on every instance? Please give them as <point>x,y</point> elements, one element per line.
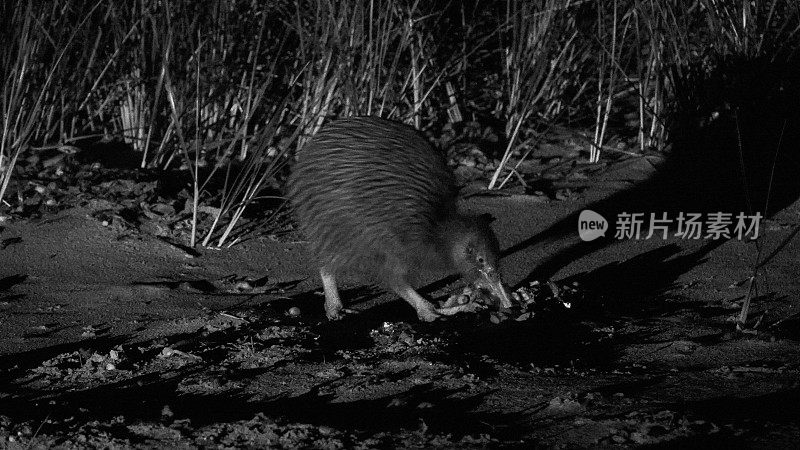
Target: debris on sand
<point>528,300</point>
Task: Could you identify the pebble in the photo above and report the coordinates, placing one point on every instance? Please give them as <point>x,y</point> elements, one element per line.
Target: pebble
<point>243,285</point>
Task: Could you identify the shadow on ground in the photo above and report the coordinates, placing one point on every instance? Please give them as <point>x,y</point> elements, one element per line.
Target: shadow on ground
<point>735,148</point>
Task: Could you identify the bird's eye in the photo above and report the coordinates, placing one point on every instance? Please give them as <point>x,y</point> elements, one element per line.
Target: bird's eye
<point>481,260</point>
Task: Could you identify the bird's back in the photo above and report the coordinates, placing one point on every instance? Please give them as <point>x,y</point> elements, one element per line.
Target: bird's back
<point>365,190</point>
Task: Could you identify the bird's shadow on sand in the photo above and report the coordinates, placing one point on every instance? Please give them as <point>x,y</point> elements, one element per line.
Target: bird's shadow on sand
<point>630,288</point>
<point>735,149</point>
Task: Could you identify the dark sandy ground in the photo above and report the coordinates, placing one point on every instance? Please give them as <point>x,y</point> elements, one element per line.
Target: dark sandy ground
<point>115,338</point>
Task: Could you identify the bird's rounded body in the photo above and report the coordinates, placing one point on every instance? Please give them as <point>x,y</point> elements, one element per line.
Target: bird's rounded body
<point>375,199</point>
<point>368,194</point>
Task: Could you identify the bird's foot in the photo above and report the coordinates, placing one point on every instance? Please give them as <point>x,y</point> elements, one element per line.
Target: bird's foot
<point>427,312</point>
<point>455,309</point>
<point>333,307</point>
<point>337,312</point>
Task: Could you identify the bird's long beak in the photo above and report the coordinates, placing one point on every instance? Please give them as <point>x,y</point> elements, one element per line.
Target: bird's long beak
<point>490,280</point>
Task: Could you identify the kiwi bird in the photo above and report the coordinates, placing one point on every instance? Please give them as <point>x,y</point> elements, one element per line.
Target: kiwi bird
<point>375,199</point>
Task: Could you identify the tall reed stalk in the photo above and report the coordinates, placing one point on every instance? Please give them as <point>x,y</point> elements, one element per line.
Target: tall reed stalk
<point>537,60</point>
<point>370,57</point>
<point>36,101</point>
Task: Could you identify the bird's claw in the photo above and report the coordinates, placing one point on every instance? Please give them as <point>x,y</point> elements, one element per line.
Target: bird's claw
<point>452,310</point>
<point>428,314</point>
<point>339,313</point>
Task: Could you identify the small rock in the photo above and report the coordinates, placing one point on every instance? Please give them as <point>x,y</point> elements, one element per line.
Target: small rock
<point>243,285</point>
<point>638,438</point>
<point>396,402</point>
<point>166,413</point>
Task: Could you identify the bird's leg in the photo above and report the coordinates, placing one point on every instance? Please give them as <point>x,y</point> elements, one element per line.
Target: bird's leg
<point>425,310</point>
<point>333,304</point>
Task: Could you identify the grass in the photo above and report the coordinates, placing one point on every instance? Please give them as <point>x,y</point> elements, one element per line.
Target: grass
<point>37,70</point>
<point>227,92</point>
<point>541,50</point>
